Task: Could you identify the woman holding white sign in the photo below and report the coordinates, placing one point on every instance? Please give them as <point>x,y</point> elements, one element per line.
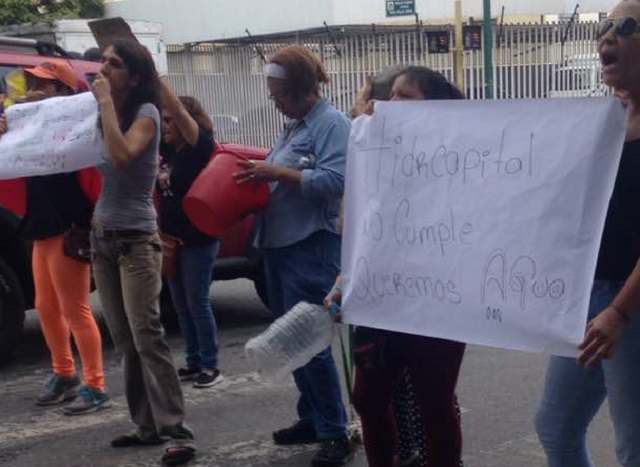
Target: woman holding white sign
<point>57,212</point>
<point>383,357</point>
<point>573,394</point>
<point>127,250</point>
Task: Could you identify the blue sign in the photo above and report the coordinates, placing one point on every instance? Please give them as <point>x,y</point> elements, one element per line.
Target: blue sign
<point>401,7</point>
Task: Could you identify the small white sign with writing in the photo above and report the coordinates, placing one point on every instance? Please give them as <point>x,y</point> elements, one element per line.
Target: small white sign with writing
<point>479,221</point>
<point>55,135</point>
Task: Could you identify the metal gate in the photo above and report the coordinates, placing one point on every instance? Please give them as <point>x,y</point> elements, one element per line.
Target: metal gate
<point>529,61</point>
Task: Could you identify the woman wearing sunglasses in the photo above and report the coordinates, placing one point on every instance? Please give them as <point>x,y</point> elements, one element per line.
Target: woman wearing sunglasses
<point>574,391</point>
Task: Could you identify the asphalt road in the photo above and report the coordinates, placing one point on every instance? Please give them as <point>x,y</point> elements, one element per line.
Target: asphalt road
<point>233,421</point>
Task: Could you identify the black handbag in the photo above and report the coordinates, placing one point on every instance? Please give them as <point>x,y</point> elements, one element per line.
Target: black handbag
<point>77,244</point>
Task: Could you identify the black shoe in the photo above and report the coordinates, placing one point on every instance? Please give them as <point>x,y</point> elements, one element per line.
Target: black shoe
<point>188,374</point>
<point>207,379</point>
<point>333,453</point>
<point>302,432</point>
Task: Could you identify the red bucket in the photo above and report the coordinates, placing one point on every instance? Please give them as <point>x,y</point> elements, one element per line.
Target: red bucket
<point>216,201</point>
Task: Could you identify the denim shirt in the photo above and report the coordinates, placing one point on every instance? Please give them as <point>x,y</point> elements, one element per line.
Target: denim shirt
<point>317,146</point>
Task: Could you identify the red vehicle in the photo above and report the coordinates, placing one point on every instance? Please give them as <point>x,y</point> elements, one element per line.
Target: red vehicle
<point>237,257</point>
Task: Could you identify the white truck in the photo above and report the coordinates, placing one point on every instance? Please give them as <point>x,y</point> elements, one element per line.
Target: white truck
<point>74,36</point>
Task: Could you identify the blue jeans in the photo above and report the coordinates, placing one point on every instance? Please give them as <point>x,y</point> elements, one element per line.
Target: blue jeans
<point>305,271</point>
<point>573,395</point>
<point>190,296</point>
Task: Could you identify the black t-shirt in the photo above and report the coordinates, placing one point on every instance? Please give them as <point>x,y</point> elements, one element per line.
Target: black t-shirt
<point>54,203</point>
<point>620,245</point>
<point>184,167</point>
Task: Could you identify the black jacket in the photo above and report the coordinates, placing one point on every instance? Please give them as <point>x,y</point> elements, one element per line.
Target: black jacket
<point>54,203</point>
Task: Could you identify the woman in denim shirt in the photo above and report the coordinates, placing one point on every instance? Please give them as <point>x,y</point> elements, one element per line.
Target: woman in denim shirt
<point>298,233</point>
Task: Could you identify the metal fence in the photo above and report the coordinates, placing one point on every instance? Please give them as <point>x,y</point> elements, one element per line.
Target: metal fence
<point>529,61</point>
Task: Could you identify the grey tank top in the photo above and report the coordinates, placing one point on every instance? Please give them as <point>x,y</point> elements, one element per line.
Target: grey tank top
<point>126,201</point>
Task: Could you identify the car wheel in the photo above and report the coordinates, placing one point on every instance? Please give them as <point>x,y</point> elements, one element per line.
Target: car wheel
<point>260,284</point>
<point>11,311</point>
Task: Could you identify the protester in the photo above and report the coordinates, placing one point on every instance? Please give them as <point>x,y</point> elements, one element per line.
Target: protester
<point>410,442</point>
<point>188,136</point>
<point>298,233</point>
<point>127,249</point>
<point>573,394</point>
<point>56,204</point>
<point>382,357</point>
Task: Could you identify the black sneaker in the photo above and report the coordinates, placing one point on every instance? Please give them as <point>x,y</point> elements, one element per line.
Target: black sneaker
<point>58,390</point>
<point>333,453</point>
<point>188,374</point>
<point>208,378</point>
<point>302,432</point>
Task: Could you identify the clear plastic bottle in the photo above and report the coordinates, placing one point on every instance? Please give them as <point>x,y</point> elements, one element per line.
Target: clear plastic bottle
<point>291,341</point>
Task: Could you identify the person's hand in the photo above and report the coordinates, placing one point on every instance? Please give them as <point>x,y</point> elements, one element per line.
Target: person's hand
<point>602,336</point>
<point>333,300</point>
<point>3,125</point>
<point>163,179</point>
<point>101,88</point>
<point>256,171</point>
<point>363,103</point>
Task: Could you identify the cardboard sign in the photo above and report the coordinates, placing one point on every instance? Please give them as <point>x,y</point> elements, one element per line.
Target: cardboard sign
<point>107,31</point>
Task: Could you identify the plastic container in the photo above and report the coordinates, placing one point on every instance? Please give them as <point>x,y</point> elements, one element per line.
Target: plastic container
<point>216,201</point>
<point>291,341</point>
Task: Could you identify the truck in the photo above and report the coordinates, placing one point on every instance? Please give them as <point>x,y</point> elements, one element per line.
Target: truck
<point>237,257</point>
<point>75,38</point>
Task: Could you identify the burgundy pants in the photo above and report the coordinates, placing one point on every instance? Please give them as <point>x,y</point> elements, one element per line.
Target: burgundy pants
<point>434,365</point>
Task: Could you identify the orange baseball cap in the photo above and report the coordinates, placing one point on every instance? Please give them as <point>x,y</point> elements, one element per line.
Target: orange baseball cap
<point>56,70</point>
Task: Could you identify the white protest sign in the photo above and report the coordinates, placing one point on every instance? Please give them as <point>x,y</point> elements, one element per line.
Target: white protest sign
<point>479,221</point>
<point>55,135</point>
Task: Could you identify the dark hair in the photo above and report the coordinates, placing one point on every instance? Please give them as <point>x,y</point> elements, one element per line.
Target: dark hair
<point>305,71</point>
<point>140,66</point>
<point>193,106</point>
<point>434,85</point>
<point>382,83</point>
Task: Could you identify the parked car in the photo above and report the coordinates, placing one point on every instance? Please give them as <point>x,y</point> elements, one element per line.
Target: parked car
<point>237,257</point>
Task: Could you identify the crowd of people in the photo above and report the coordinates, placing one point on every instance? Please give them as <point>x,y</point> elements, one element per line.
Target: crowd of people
<point>405,385</point>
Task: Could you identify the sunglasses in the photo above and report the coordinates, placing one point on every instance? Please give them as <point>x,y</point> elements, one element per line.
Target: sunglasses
<point>622,27</point>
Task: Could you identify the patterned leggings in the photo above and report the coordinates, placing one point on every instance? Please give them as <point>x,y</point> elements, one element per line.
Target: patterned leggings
<point>409,423</point>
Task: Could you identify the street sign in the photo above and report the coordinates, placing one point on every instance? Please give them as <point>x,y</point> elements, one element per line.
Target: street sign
<point>401,7</point>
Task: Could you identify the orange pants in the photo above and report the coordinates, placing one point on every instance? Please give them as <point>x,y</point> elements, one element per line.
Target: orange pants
<point>63,288</point>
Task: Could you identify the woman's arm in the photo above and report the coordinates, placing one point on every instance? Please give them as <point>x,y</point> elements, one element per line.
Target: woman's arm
<point>186,124</point>
<point>605,330</point>
<point>121,147</point>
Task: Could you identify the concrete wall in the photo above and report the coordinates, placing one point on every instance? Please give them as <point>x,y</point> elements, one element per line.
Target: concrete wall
<point>201,20</point>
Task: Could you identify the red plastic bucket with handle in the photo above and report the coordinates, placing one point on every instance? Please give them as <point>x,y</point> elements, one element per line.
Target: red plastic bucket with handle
<point>216,201</point>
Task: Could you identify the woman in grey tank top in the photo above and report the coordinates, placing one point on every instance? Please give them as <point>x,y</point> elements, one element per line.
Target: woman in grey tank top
<point>127,250</point>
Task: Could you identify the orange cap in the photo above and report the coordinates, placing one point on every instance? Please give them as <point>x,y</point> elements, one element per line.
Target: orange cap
<point>56,70</point>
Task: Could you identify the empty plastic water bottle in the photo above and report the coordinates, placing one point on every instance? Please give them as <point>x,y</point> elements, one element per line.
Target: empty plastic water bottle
<point>291,341</point>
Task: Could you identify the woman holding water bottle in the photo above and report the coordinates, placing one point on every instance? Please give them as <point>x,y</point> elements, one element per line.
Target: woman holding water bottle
<point>298,233</point>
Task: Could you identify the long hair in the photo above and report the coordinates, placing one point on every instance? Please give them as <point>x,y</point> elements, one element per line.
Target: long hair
<point>434,85</point>
<point>194,107</point>
<point>140,66</point>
